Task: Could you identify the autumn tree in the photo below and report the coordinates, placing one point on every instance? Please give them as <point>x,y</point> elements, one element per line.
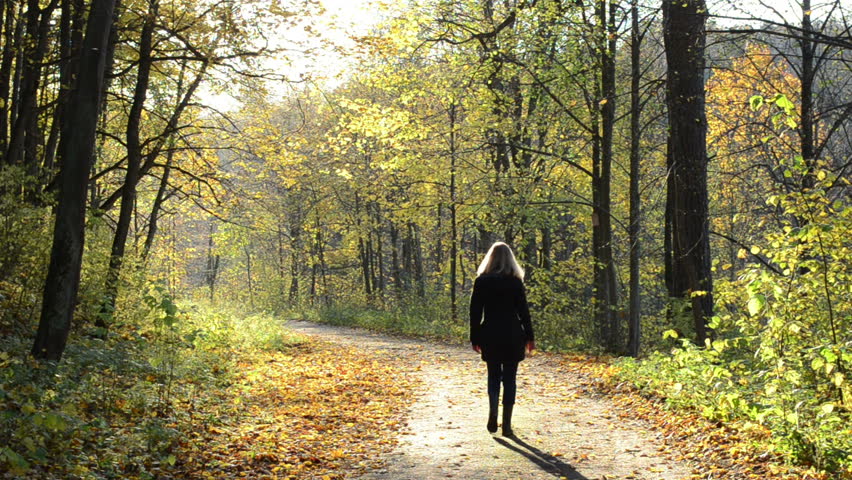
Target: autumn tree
<point>63,278</point>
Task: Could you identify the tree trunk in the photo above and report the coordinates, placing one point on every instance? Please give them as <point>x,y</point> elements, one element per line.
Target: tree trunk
<point>321,257</point>
<point>606,300</point>
<point>546,260</point>
<point>70,38</point>
<point>414,232</point>
<point>454,246</point>
<point>379,258</point>
<point>134,161</point>
<point>26,134</point>
<point>249,281</point>
<point>212,271</point>
<point>365,267</point>
<point>407,260</point>
<point>11,40</point>
<point>293,295</point>
<point>439,241</point>
<point>396,272</point>
<point>807,126</point>
<point>684,32</point>
<point>634,312</point>
<point>159,199</point>
<point>63,276</point>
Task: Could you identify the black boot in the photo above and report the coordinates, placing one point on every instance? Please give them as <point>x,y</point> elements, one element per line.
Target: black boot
<point>492,420</point>
<point>507,421</point>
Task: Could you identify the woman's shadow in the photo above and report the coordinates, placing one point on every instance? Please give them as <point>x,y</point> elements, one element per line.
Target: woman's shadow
<point>544,461</point>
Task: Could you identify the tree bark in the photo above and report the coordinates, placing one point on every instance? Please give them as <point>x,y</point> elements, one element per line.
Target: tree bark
<point>63,276</point>
<point>134,161</point>
<point>414,232</point>
<point>249,282</point>
<point>71,38</point>
<point>11,39</point>
<point>634,311</point>
<point>807,126</point>
<point>212,270</point>
<point>156,207</point>
<point>26,134</point>
<point>396,272</point>
<point>606,295</point>
<point>454,237</point>
<point>684,33</point>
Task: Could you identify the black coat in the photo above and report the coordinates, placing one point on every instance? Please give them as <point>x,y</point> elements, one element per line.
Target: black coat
<point>505,328</point>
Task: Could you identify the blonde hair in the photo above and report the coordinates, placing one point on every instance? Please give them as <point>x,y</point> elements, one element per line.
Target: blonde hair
<point>500,260</point>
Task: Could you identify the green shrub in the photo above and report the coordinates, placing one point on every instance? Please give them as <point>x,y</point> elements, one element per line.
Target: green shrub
<point>783,338</point>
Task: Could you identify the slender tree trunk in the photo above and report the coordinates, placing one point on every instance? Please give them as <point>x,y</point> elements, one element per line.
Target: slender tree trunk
<point>134,162</point>
<point>11,36</point>
<point>281,257</point>
<point>295,271</point>
<point>454,247</point>
<point>634,313</point>
<point>668,234</point>
<point>407,260</point>
<point>684,32</point>
<point>249,281</point>
<point>63,276</point>
<point>396,272</point>
<point>164,180</point>
<point>414,232</point>
<point>70,38</point>
<point>806,117</point>
<point>605,288</point>
<point>365,267</point>
<point>371,266</point>
<point>321,257</point>
<point>26,134</point>
<point>379,271</point>
<point>439,242</point>
<point>546,261</point>
<point>212,271</point>
<point>296,231</point>
<point>159,199</point>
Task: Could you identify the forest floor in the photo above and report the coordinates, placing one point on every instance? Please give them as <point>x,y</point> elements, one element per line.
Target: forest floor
<point>563,428</point>
<point>345,403</point>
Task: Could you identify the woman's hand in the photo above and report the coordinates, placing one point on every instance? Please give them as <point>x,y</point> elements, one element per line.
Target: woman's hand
<point>477,348</point>
<point>531,346</point>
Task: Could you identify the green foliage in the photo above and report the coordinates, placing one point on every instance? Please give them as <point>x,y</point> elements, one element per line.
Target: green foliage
<point>561,319</point>
<point>94,415</point>
<point>25,223</point>
<point>118,404</point>
<point>218,329</point>
<point>783,340</point>
<point>420,317</point>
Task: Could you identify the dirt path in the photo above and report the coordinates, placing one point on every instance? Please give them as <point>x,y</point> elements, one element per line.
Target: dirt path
<point>561,430</point>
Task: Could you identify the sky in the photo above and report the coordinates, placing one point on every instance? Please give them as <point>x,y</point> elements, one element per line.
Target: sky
<point>341,20</point>
<point>346,18</point>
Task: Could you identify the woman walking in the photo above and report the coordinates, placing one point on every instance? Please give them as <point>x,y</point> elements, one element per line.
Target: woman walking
<point>504,333</point>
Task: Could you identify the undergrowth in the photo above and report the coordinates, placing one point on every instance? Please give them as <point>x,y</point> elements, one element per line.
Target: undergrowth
<point>117,405</point>
<point>418,318</point>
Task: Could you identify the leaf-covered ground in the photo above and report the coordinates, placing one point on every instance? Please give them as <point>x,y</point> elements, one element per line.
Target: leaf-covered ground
<point>574,420</point>
<point>563,429</point>
<point>352,404</point>
<point>316,412</point>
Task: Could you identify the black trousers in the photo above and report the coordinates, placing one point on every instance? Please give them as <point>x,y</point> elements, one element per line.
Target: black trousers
<point>505,373</point>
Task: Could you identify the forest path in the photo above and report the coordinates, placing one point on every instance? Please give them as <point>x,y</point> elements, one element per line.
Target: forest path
<point>562,429</point>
